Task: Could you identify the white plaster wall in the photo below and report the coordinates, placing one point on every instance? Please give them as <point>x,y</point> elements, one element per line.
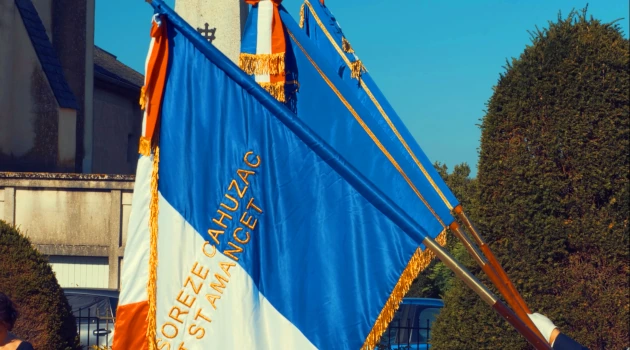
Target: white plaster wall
<point>228,16</point>
<point>63,216</point>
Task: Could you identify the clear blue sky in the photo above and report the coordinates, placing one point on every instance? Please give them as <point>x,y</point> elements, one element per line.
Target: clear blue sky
<point>436,61</point>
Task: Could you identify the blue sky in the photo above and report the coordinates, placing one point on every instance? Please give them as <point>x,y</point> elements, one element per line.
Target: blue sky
<point>436,61</point>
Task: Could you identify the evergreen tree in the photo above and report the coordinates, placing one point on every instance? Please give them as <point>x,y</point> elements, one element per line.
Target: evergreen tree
<point>27,279</point>
<point>553,190</point>
<point>436,279</point>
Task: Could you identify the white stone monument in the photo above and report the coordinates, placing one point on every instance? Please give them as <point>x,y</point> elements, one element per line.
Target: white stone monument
<point>220,21</point>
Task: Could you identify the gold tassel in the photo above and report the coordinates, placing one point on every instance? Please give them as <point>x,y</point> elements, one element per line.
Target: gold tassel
<point>418,262</point>
<point>143,97</point>
<point>345,45</point>
<point>302,16</point>
<point>441,239</point>
<point>144,147</point>
<point>275,89</point>
<point>356,68</point>
<point>258,64</point>
<point>153,255</point>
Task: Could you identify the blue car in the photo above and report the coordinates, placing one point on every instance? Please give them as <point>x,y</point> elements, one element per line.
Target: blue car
<point>411,327</point>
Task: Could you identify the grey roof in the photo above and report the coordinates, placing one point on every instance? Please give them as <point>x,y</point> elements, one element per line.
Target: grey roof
<point>107,67</point>
<point>46,54</point>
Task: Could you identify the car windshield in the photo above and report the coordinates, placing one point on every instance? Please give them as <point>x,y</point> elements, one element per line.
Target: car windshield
<point>411,326</point>
<point>92,306</point>
<point>422,325</point>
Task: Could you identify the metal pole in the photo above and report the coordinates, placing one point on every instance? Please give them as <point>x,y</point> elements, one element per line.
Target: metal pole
<point>88,327</point>
<point>492,259</point>
<point>486,295</point>
<point>491,272</point>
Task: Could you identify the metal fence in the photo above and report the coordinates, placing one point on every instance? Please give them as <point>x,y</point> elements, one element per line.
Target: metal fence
<point>92,329</point>
<point>406,334</point>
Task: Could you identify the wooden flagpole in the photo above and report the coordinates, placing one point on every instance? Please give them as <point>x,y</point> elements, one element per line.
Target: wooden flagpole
<point>492,268</point>
<point>533,338</point>
<point>495,278</point>
<point>491,258</point>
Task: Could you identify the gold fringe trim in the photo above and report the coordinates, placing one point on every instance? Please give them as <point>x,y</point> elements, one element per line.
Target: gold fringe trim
<point>153,255</point>
<point>272,63</point>
<point>144,147</point>
<point>356,69</point>
<point>143,97</point>
<point>418,262</point>
<point>275,89</point>
<point>345,45</point>
<point>302,16</point>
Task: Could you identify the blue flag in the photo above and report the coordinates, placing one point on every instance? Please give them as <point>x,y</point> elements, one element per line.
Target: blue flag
<point>247,229</point>
<point>322,28</point>
<point>335,112</point>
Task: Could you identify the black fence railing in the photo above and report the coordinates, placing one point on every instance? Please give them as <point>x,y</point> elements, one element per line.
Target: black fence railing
<point>93,330</point>
<point>406,334</point>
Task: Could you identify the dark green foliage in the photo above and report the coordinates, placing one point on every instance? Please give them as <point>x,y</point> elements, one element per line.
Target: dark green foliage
<point>26,277</point>
<point>553,190</point>
<point>436,279</point>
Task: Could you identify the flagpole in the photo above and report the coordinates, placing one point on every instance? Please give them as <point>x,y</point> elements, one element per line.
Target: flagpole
<point>495,278</point>
<point>492,259</point>
<point>486,295</point>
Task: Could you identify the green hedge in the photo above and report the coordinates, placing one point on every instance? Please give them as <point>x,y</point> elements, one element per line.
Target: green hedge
<point>553,190</point>
<point>27,278</point>
<point>436,279</point>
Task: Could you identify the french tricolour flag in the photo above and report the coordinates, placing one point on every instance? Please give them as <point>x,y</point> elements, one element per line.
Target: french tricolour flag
<point>247,230</point>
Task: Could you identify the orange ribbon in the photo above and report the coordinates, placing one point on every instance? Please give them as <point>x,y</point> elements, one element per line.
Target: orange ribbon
<point>278,43</point>
<point>156,80</point>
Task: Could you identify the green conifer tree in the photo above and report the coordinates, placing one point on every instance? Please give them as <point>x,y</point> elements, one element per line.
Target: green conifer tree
<point>553,187</point>
<point>27,279</point>
<point>436,279</point>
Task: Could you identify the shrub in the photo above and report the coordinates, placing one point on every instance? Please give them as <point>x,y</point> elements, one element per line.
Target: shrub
<point>26,277</point>
<point>553,186</point>
<point>436,279</point>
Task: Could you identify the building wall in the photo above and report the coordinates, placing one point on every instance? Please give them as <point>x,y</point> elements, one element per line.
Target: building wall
<point>228,17</point>
<point>117,123</point>
<point>88,106</point>
<point>15,94</point>
<point>80,271</point>
<point>72,215</point>
<point>30,116</point>
<point>78,220</point>
<point>73,40</point>
<point>44,10</point>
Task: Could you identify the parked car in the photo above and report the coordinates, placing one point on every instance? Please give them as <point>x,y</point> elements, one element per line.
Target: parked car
<point>411,327</point>
<point>95,314</point>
